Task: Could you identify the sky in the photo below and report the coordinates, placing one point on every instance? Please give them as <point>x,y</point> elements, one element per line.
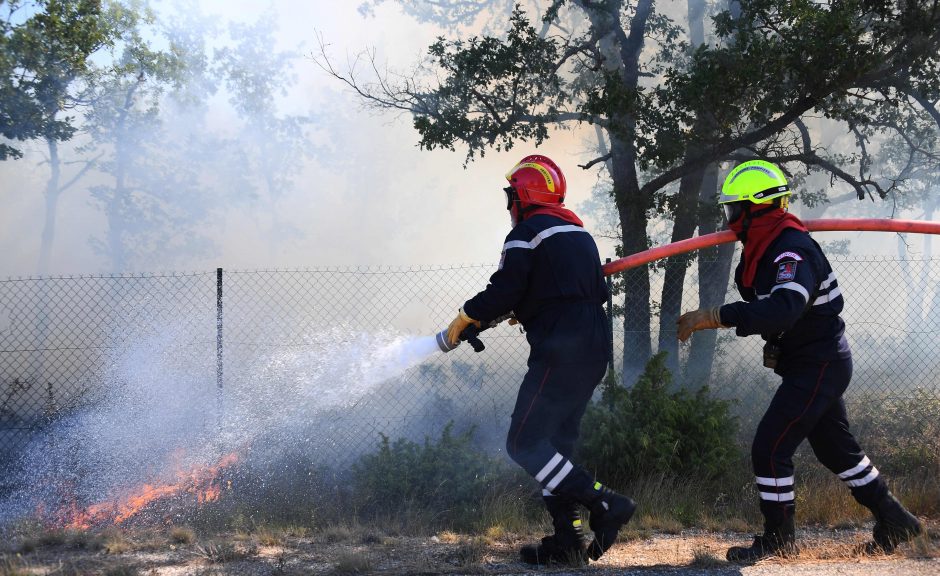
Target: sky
<point>384,202</point>
<point>376,199</point>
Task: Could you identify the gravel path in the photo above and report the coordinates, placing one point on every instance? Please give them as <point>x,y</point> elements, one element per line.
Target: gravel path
<point>342,552</point>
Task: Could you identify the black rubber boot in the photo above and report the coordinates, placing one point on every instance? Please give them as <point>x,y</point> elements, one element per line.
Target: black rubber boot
<point>568,545</point>
<point>609,512</point>
<point>778,539</point>
<point>893,525</point>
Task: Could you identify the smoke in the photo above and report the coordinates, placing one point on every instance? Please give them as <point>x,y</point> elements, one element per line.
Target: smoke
<point>160,411</point>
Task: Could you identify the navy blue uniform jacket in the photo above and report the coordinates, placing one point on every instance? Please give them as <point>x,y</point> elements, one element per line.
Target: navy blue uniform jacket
<point>550,276</point>
<point>795,293</point>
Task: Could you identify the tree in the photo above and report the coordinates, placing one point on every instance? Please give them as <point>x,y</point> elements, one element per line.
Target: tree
<point>270,147</point>
<point>663,117</point>
<point>45,56</point>
<point>44,47</point>
<point>151,198</point>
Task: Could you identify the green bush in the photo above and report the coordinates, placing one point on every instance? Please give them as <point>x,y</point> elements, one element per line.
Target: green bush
<point>645,430</point>
<point>449,478</point>
<point>901,432</point>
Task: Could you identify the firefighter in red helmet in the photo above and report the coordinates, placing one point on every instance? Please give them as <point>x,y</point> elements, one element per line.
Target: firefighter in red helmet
<point>550,278</point>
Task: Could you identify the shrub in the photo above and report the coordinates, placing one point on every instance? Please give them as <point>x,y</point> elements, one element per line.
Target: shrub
<point>445,478</point>
<point>900,431</point>
<point>645,430</point>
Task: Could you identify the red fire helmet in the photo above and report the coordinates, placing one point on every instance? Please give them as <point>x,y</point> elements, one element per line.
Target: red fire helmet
<point>538,180</point>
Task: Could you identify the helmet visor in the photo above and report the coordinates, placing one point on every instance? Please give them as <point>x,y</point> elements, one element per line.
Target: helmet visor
<point>510,196</point>
<point>733,211</point>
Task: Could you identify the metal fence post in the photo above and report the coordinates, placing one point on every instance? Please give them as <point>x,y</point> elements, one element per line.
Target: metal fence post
<point>610,319</point>
<point>218,340</point>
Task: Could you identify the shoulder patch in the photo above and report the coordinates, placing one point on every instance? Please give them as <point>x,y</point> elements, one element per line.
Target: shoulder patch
<point>788,256</point>
<point>786,272</point>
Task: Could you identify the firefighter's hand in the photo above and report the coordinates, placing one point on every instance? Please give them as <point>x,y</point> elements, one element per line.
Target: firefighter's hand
<point>458,325</point>
<point>697,320</point>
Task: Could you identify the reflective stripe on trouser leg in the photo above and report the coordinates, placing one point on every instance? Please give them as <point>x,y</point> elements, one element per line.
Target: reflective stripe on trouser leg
<point>554,471</point>
<point>775,489</point>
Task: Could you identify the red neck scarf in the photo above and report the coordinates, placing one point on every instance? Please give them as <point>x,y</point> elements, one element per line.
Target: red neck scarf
<point>763,230</point>
<point>558,211</point>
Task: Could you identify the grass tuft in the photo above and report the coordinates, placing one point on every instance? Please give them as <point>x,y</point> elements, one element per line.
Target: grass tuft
<point>222,552</point>
<point>469,552</point>
<point>13,567</point>
<point>703,558</point>
<point>336,533</point>
<point>350,562</point>
<point>182,535</point>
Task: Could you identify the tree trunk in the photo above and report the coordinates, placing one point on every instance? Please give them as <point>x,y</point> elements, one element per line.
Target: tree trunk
<point>622,62</point>
<point>52,203</point>
<point>632,208</point>
<point>685,219</point>
<point>714,272</point>
<point>684,223</point>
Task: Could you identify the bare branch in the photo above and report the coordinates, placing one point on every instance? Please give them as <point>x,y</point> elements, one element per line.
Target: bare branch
<point>597,160</point>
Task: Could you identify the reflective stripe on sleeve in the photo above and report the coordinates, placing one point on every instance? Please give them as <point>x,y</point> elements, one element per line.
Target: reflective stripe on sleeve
<point>832,295</point>
<point>542,236</point>
<point>792,286</point>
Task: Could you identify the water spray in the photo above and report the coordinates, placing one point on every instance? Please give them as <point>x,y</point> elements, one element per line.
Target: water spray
<point>470,334</point>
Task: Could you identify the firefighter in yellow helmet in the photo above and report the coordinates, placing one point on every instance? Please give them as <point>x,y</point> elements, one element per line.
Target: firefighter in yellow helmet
<point>793,300</point>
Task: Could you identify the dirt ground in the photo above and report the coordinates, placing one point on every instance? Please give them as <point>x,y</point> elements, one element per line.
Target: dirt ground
<point>345,551</point>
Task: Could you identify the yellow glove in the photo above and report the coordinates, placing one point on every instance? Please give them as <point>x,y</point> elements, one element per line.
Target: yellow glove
<point>457,325</point>
<point>698,320</point>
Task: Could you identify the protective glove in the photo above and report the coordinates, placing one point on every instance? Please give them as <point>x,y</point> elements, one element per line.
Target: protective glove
<point>458,325</point>
<point>698,320</point>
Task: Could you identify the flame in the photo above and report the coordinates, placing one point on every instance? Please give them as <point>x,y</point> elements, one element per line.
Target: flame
<point>203,483</point>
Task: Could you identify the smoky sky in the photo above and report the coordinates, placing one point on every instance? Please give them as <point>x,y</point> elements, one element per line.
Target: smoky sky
<point>361,193</point>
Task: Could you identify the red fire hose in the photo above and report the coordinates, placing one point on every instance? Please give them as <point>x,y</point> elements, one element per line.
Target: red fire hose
<point>725,236</point>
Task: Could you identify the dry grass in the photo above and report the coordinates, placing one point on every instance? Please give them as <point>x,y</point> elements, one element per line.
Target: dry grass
<point>337,533</point>
<point>227,551</point>
<point>704,558</point>
<point>182,535</point>
<point>651,523</point>
<point>14,566</point>
<point>352,562</point>
<point>269,537</point>
<point>469,552</point>
<point>117,544</point>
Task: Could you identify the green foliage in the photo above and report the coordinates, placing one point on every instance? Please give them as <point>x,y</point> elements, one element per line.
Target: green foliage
<point>648,430</point>
<point>40,58</point>
<point>490,88</point>
<point>901,433</point>
<point>446,478</point>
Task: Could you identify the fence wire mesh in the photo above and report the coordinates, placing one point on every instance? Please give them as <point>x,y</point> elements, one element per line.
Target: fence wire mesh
<point>68,343</point>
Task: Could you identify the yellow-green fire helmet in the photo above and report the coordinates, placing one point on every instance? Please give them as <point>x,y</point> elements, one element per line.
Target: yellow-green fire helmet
<point>756,181</point>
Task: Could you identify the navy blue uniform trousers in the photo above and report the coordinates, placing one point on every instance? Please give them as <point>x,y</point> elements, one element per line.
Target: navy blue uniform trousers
<point>808,405</point>
<point>548,411</point>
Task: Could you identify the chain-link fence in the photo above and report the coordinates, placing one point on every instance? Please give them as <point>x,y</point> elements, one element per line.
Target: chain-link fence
<point>305,350</point>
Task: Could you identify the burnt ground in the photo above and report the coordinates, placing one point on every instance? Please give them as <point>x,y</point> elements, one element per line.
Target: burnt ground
<point>340,550</point>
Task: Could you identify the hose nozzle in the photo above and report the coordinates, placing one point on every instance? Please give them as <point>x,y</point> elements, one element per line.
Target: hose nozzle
<point>470,334</point>
<point>443,343</point>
